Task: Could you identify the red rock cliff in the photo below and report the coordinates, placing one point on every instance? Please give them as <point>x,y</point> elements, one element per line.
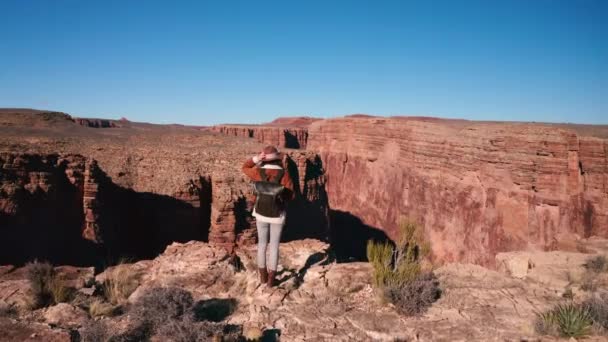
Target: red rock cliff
<point>478,188</point>
<point>287,137</point>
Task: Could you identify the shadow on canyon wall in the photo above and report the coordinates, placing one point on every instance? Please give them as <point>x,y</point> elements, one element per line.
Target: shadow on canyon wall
<point>45,225</point>
<point>139,225</point>
<point>307,213</point>
<point>291,141</point>
<point>129,225</point>
<point>48,225</point>
<point>349,236</point>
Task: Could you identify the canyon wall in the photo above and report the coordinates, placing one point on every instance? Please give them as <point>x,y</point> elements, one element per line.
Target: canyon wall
<point>41,208</point>
<point>96,123</point>
<point>477,188</point>
<point>66,209</point>
<point>283,137</point>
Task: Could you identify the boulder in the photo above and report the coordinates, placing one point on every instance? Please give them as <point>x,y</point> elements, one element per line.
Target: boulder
<point>65,316</point>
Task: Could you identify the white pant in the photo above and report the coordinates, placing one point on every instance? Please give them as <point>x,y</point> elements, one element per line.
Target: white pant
<point>265,230</point>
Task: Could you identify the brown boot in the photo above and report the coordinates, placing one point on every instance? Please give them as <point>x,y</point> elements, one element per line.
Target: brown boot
<point>271,279</point>
<point>263,275</point>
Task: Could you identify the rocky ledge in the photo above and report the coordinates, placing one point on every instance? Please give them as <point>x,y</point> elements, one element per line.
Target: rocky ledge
<point>321,300</point>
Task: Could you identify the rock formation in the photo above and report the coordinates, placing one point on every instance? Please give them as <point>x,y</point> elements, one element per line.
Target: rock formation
<point>96,123</point>
<point>287,137</point>
<point>478,188</point>
<point>321,300</point>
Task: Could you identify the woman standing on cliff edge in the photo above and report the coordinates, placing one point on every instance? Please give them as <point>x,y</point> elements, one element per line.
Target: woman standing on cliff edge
<point>273,188</point>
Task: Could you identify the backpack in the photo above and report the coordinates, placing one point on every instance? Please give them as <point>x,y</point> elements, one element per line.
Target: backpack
<point>269,201</point>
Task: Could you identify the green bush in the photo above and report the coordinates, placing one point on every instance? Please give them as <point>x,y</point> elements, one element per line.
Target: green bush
<point>399,264</point>
<point>567,320</point>
<point>398,271</point>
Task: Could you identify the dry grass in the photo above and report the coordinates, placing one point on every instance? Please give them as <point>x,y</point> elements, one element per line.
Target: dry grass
<point>597,305</point>
<point>47,288</point>
<point>399,273</point>
<point>402,263</point>
<point>99,308</point>
<point>414,297</point>
<point>119,284</point>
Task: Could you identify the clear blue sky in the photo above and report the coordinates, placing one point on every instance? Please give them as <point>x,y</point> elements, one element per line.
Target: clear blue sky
<point>229,61</point>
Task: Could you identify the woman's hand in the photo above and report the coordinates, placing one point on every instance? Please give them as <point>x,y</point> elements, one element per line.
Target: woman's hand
<point>262,156</point>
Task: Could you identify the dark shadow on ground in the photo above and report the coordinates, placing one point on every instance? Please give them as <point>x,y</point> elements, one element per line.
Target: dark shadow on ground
<point>319,258</point>
<point>349,236</point>
<point>271,335</point>
<point>215,309</point>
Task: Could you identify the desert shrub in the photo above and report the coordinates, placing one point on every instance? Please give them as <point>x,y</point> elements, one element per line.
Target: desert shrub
<point>545,324</point>
<point>99,308</point>
<point>597,264</point>
<point>94,331</point>
<point>399,273</point>
<point>47,288</point>
<point>187,330</point>
<point>567,320</point>
<point>414,297</point>
<point>160,304</point>
<point>590,281</point>
<point>119,284</point>
<point>401,263</point>
<point>171,314</point>
<point>597,306</point>
<point>99,331</point>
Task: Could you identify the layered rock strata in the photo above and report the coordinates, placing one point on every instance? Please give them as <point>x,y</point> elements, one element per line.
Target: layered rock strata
<point>285,137</point>
<point>477,188</point>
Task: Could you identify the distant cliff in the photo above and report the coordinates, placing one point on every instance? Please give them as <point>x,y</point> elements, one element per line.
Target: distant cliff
<point>478,188</point>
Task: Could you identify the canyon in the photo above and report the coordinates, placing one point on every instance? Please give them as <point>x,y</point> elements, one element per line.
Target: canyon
<point>129,189</point>
<point>513,213</point>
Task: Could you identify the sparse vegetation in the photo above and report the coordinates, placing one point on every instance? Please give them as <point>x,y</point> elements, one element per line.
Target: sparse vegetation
<point>119,284</point>
<point>597,305</point>
<point>47,288</point>
<point>186,330</point>
<point>597,264</point>
<point>159,304</point>
<point>169,314</point>
<point>412,298</point>
<point>99,308</point>
<point>94,331</point>
<point>566,320</point>
<point>399,272</point>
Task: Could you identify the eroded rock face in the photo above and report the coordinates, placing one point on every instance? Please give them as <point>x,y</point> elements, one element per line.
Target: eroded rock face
<point>477,188</point>
<point>287,137</point>
<point>41,207</point>
<point>96,123</point>
<point>49,201</point>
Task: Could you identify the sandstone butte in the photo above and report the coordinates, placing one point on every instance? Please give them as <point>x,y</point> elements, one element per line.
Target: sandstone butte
<point>477,188</point>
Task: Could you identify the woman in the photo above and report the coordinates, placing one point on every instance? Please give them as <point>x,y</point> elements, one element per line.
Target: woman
<point>268,167</point>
